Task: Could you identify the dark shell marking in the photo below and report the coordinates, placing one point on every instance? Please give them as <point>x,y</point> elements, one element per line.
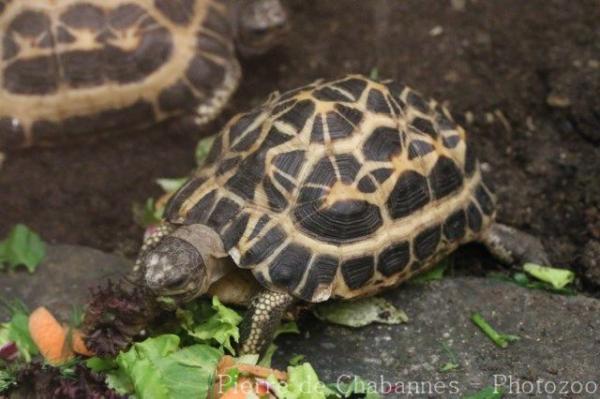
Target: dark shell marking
<point>128,49</point>
<point>330,196</point>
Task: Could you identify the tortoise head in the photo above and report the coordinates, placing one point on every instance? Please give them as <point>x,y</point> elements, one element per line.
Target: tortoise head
<point>175,269</point>
<point>260,25</point>
<point>185,263</point>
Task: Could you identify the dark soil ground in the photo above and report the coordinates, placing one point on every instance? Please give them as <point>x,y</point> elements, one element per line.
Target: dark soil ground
<point>522,76</point>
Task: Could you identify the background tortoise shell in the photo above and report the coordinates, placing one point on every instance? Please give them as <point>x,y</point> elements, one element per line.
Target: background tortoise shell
<point>339,188</point>
<point>71,66</point>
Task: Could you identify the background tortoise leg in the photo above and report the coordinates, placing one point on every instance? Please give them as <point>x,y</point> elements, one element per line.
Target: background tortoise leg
<point>151,240</point>
<point>510,245</point>
<point>261,320</point>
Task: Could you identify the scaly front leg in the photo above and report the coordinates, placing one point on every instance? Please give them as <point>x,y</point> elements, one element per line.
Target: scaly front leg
<point>261,321</point>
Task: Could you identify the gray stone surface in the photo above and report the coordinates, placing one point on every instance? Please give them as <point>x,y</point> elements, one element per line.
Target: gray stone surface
<point>591,261</point>
<point>62,279</point>
<point>560,335</point>
<point>560,341</point>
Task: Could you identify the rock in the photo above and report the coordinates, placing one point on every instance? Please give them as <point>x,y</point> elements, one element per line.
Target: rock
<point>591,261</point>
<point>63,279</point>
<point>560,341</point>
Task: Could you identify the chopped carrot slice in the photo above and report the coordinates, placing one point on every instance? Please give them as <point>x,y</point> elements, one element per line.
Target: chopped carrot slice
<point>234,393</point>
<point>247,383</point>
<point>243,387</point>
<point>262,372</point>
<point>49,336</point>
<point>78,344</point>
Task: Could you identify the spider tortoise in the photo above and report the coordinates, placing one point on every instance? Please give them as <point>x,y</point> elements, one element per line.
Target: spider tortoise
<point>338,189</point>
<point>76,67</point>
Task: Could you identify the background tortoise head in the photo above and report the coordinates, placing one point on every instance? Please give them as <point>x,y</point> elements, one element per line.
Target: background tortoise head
<point>259,25</point>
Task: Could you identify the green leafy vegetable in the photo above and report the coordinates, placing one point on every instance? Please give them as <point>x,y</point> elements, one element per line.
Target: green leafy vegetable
<point>251,359</point>
<point>76,316</point>
<point>119,381</point>
<point>360,312</point>
<point>100,364</point>
<point>7,380</point>
<point>157,368</point>
<point>486,393</point>
<point>448,366</point>
<point>17,330</point>
<point>147,214</point>
<point>203,148</point>
<point>374,74</point>
<point>287,328</point>
<point>233,376</point>
<point>452,364</point>
<point>296,360</point>
<point>267,358</point>
<point>217,323</point>
<point>167,302</point>
<point>433,274</point>
<point>558,278</point>
<point>116,378</point>
<point>171,185</point>
<point>68,369</point>
<point>22,247</point>
<point>523,280</point>
<point>302,383</point>
<point>502,340</point>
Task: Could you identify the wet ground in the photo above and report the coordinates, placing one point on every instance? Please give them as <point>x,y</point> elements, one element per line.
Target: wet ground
<point>522,76</point>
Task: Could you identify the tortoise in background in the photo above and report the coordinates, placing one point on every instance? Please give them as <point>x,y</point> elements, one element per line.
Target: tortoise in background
<point>74,67</point>
<point>339,189</point>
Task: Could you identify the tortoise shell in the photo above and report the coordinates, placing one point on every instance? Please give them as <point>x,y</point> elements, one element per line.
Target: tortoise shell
<point>74,66</point>
<point>339,188</point>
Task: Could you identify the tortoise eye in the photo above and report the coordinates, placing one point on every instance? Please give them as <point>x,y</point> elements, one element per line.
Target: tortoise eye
<point>176,282</point>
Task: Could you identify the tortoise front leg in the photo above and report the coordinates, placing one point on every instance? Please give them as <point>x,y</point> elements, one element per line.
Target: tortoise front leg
<point>261,320</point>
<point>510,245</point>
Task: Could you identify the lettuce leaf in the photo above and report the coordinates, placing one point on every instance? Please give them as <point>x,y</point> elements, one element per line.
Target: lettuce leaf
<point>203,148</point>
<point>558,278</point>
<point>17,330</point>
<point>214,323</point>
<point>302,383</point>
<point>360,312</point>
<point>22,247</point>
<point>7,380</point>
<point>287,328</point>
<point>157,368</point>
<point>171,185</point>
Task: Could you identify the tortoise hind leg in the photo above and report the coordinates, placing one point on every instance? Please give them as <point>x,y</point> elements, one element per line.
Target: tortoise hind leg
<point>510,245</point>
<point>261,320</point>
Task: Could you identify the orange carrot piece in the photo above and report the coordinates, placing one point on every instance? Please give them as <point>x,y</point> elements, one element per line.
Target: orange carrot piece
<point>243,387</point>
<point>227,362</point>
<point>49,336</point>
<point>234,393</point>
<point>262,372</point>
<point>78,344</point>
